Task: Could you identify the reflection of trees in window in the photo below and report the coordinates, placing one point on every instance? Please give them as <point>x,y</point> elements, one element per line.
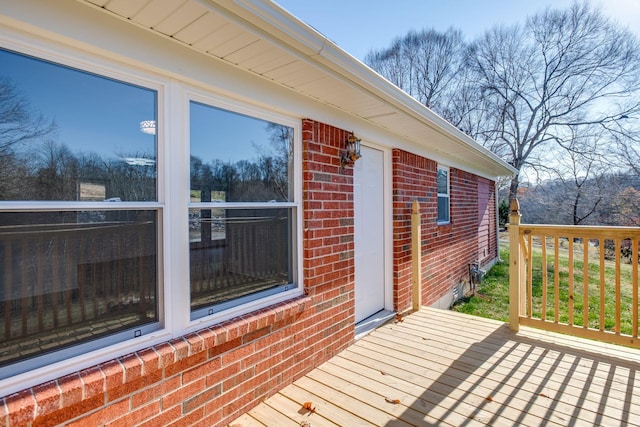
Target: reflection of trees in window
<point>35,165</point>
<point>57,172</point>
<point>242,252</point>
<point>50,171</point>
<point>19,125</point>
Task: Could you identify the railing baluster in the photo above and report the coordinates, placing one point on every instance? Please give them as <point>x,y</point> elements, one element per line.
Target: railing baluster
<point>602,284</point>
<point>95,280</point>
<point>543,313</point>
<point>82,281</point>
<point>585,282</point>
<point>104,272</point>
<point>40,262</point>
<point>56,280</point>
<point>25,287</point>
<point>70,248</point>
<point>556,279</point>
<point>530,276</point>
<point>571,282</point>
<point>634,285</point>
<point>253,261</point>
<point>8,285</point>
<point>618,288</point>
<point>141,280</point>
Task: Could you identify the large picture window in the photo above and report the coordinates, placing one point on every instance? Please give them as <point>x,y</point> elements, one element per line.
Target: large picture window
<point>443,195</point>
<point>242,210</point>
<point>79,211</point>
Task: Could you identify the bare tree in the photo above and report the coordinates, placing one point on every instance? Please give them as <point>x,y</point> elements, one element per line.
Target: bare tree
<point>57,172</point>
<point>18,122</point>
<point>424,64</point>
<point>562,72</point>
<point>19,125</point>
<point>527,91</point>
<point>624,208</point>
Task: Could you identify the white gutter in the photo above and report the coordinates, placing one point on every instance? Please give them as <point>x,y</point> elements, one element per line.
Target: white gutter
<point>288,29</point>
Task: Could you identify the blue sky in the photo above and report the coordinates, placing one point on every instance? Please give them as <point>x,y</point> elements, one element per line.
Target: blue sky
<point>357,26</point>
<point>92,114</point>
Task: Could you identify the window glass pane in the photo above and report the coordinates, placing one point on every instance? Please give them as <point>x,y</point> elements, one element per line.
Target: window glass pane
<point>443,208</point>
<point>71,277</point>
<point>70,135</point>
<point>236,158</point>
<point>443,188</point>
<point>238,252</point>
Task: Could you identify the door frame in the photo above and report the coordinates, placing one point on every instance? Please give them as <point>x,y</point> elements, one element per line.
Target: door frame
<point>387,206</point>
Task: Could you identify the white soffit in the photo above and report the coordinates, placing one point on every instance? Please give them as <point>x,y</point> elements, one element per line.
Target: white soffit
<point>264,39</point>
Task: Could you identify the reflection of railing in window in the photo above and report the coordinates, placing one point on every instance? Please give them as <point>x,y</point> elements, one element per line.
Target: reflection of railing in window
<point>252,257</point>
<point>62,284</point>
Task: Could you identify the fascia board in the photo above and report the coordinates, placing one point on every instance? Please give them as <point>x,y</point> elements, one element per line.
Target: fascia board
<point>304,39</point>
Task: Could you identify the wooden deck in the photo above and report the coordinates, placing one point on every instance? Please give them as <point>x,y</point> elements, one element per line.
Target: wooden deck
<point>439,368</point>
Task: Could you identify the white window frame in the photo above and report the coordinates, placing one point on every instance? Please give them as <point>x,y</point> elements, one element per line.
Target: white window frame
<point>69,360</point>
<point>446,195</point>
<point>296,289</point>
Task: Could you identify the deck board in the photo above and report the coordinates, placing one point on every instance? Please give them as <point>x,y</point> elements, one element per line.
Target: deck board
<point>599,375</point>
<point>442,368</point>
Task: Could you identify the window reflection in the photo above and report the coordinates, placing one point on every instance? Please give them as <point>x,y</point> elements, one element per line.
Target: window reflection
<point>72,277</point>
<point>236,158</point>
<point>240,252</point>
<point>73,136</point>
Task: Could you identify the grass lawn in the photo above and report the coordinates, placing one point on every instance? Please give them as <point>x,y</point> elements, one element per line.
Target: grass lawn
<point>492,295</point>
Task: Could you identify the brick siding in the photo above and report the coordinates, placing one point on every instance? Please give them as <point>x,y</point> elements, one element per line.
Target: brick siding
<point>448,249</point>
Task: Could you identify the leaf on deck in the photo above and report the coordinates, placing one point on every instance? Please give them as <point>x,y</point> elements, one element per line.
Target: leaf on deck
<point>399,318</point>
<point>394,401</point>
<point>309,407</point>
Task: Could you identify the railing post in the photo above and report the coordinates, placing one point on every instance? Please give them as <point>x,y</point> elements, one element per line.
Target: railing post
<point>416,256</point>
<point>516,264</point>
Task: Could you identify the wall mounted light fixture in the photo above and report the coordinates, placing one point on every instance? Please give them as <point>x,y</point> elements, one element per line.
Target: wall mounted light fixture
<point>352,151</point>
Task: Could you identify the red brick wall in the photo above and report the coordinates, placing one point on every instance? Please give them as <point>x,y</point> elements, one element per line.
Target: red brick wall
<point>211,377</point>
<point>448,249</point>
<point>414,178</point>
<point>487,232</point>
<point>328,240</point>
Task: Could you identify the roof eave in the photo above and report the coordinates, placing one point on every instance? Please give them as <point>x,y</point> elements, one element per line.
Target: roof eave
<point>303,38</point>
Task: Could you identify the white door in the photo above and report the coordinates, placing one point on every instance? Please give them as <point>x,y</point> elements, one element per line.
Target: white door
<point>368,180</point>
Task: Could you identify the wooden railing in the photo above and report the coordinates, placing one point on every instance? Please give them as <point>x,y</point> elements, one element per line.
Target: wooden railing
<point>65,283</point>
<point>578,280</point>
<point>249,255</point>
